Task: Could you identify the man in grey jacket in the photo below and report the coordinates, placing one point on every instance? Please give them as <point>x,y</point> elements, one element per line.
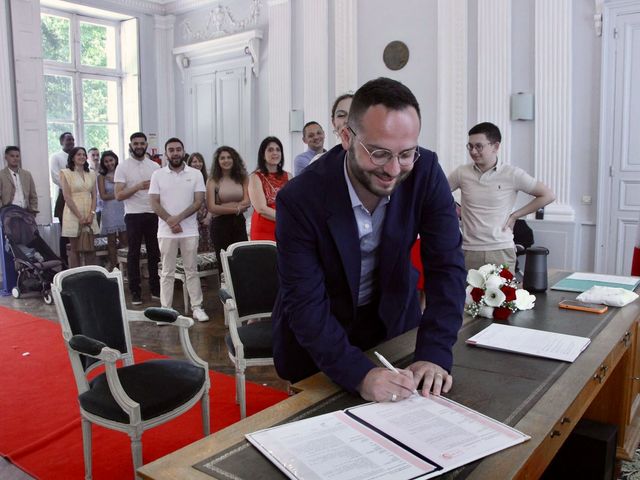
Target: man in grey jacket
<point>16,184</point>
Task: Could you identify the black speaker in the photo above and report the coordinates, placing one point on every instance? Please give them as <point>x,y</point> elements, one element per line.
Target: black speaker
<point>588,454</point>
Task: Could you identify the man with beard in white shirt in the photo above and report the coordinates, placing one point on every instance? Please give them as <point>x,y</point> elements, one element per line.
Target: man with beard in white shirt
<point>176,193</point>
<point>132,179</point>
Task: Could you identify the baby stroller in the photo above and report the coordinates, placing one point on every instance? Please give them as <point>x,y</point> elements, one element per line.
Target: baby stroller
<point>35,262</point>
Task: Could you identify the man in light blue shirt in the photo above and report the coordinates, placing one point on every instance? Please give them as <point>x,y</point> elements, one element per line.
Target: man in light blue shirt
<point>313,137</point>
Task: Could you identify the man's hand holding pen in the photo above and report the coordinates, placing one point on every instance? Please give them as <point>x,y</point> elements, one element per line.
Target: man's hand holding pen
<point>391,384</point>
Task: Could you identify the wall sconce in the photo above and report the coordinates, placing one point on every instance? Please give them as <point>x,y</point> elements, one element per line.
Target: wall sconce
<point>296,120</point>
<point>522,106</point>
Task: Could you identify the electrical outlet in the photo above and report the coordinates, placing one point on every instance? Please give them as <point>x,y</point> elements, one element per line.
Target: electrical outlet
<point>586,199</point>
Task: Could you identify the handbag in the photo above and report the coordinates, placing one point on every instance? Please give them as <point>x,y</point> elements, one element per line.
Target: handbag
<point>85,240</point>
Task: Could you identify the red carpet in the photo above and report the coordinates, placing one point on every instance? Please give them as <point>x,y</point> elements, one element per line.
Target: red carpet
<point>39,415</point>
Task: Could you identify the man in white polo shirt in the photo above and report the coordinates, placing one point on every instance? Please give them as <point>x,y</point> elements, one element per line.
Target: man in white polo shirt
<point>132,179</point>
<point>176,194</point>
<point>489,189</point>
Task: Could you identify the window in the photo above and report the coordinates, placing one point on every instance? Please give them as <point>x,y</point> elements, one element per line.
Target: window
<point>83,80</point>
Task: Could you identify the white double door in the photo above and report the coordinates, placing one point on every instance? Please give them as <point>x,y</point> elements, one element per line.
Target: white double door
<point>218,109</point>
<point>619,183</point>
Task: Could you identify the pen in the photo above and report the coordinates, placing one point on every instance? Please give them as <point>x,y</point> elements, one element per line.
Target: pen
<point>388,365</point>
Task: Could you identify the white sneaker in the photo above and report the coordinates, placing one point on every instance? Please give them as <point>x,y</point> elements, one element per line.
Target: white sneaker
<point>200,315</point>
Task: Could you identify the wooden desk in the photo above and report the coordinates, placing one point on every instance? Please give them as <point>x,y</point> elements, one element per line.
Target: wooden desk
<point>599,385</point>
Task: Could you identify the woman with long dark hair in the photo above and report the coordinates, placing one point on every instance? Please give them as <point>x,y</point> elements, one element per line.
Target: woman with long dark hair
<point>112,224</point>
<point>79,189</point>
<point>264,184</point>
<point>227,198</point>
<point>196,160</point>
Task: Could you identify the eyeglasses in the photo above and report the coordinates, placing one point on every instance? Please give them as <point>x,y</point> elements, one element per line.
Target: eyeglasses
<point>381,156</point>
<point>478,146</point>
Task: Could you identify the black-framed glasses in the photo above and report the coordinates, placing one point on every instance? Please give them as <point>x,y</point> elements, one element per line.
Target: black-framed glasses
<point>478,146</point>
<point>381,156</point>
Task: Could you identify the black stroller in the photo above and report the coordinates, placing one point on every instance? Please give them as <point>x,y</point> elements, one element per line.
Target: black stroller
<point>35,262</point>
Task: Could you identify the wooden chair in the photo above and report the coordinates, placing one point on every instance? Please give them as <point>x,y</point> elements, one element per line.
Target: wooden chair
<point>248,295</point>
<point>133,397</point>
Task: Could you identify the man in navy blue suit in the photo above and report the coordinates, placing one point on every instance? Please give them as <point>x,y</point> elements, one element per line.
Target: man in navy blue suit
<point>344,231</point>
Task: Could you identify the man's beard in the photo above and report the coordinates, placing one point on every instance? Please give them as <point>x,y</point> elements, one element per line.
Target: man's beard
<point>176,162</point>
<point>139,152</point>
<point>365,177</point>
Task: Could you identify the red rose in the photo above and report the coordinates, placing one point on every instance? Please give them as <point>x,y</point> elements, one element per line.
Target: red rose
<point>506,274</point>
<point>509,292</point>
<point>477,294</point>
<point>501,313</point>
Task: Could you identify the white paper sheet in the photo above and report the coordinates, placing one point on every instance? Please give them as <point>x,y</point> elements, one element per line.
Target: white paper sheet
<point>528,341</point>
<point>445,432</point>
<point>345,445</point>
<point>599,277</point>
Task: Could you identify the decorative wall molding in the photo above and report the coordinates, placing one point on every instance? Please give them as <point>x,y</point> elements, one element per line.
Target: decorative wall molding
<point>452,83</point>
<point>279,74</point>
<point>163,25</point>
<point>494,69</point>
<point>239,44</point>
<point>7,127</point>
<point>553,105</point>
<point>30,105</point>
<point>222,21</point>
<point>597,17</point>
<point>315,76</point>
<point>345,21</point>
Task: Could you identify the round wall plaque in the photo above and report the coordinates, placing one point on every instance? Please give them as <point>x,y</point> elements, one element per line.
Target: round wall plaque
<point>395,55</point>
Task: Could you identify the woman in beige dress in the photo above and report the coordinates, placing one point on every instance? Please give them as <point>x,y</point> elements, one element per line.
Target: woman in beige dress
<point>79,189</point>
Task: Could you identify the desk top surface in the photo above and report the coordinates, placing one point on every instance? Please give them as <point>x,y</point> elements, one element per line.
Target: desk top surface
<point>527,393</point>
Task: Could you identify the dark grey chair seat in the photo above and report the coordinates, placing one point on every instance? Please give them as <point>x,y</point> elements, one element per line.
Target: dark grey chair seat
<point>160,386</point>
<point>256,340</point>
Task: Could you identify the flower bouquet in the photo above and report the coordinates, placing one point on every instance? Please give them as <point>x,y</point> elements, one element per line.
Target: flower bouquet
<point>492,292</point>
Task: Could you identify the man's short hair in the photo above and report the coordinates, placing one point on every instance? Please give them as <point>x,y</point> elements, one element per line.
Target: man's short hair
<point>381,91</point>
<point>137,135</point>
<point>92,149</point>
<point>308,124</point>
<point>62,135</point>
<point>11,148</point>
<point>171,140</point>
<point>491,131</point>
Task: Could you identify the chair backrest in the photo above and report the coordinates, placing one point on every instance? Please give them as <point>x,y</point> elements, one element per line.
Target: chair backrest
<point>251,275</point>
<point>92,305</point>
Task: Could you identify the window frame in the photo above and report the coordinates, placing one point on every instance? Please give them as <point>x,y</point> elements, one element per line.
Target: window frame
<point>79,72</point>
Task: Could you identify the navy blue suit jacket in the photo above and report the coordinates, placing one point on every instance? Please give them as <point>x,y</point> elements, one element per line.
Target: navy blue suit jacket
<point>319,269</point>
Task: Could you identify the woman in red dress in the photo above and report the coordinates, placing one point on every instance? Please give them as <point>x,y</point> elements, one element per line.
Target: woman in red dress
<point>264,184</point>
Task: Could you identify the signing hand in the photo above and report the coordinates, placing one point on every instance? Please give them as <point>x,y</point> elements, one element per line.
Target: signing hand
<point>434,377</point>
<point>383,385</point>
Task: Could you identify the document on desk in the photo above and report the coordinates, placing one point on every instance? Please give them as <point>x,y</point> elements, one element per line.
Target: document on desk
<point>416,438</point>
<point>528,341</point>
<point>581,282</point>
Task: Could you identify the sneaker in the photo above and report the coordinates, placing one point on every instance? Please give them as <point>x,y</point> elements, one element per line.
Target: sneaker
<point>200,315</point>
<point>155,296</point>
<point>136,299</point>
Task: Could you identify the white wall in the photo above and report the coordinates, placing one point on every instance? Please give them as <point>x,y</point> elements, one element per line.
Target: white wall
<point>414,23</point>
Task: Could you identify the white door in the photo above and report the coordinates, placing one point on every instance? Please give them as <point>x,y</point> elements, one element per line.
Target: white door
<point>621,191</point>
<point>216,110</point>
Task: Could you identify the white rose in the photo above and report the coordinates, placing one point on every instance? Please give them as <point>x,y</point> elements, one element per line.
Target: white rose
<point>486,312</point>
<point>494,282</point>
<point>475,279</point>
<point>488,269</point>
<point>493,297</point>
<point>524,300</point>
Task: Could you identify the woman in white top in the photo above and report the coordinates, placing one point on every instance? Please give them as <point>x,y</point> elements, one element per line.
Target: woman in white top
<point>227,198</point>
<point>78,185</point>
